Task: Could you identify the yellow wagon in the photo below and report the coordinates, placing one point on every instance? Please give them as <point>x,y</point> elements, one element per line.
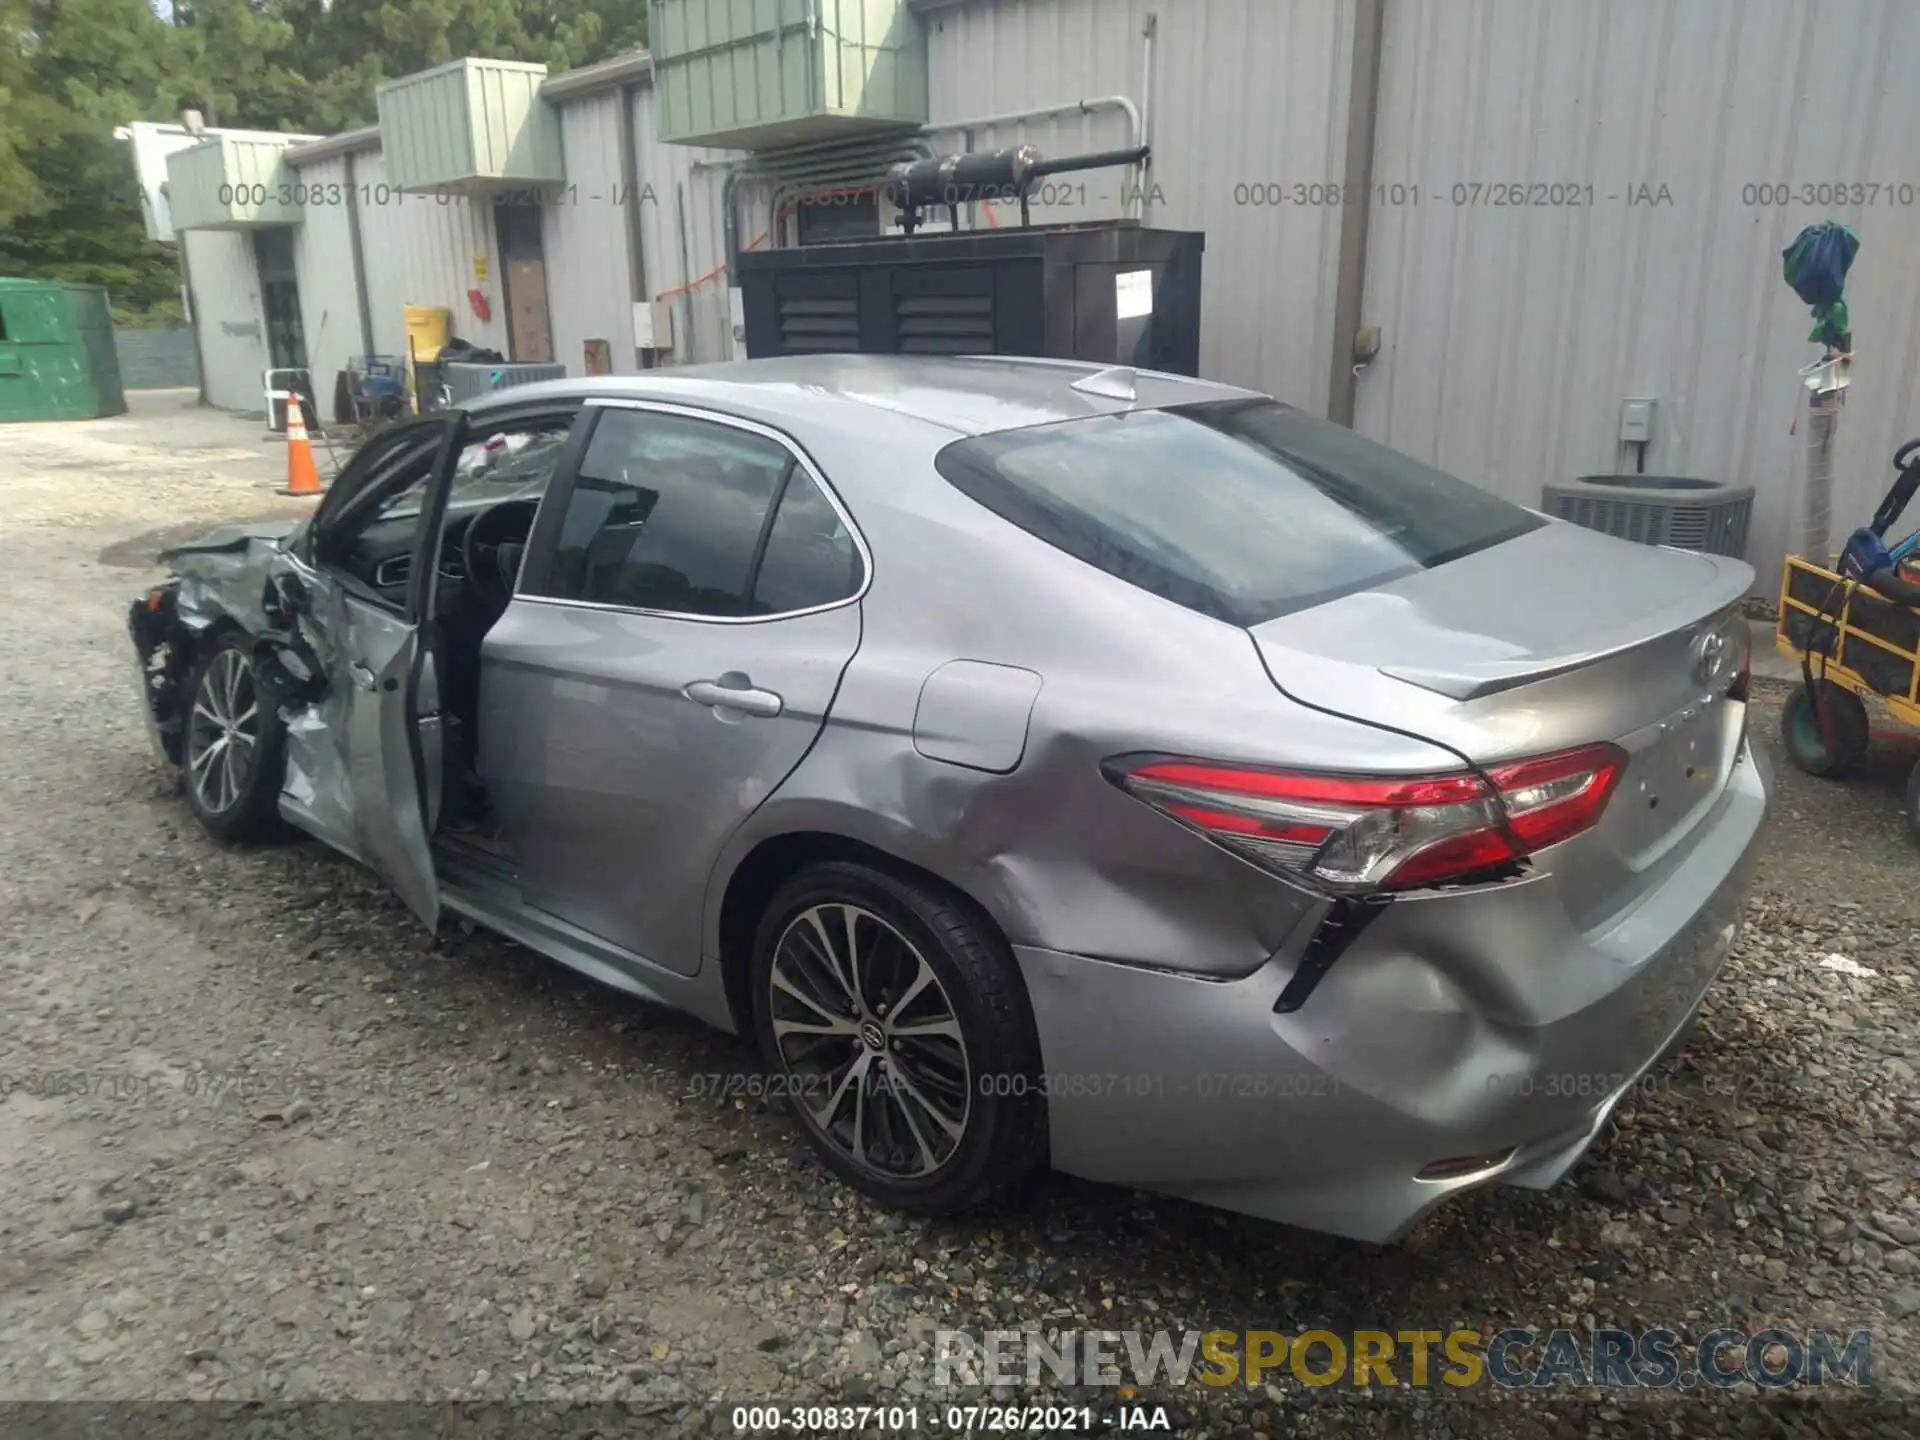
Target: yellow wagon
<point>1854,643</point>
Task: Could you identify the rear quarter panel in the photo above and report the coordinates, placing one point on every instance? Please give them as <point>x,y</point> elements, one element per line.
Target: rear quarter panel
<point>1057,855</point>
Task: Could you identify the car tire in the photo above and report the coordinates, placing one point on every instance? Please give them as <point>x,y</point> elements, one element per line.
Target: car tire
<point>1842,716</point>
<point>233,784</point>
<point>962,1045</point>
<point>1913,801</point>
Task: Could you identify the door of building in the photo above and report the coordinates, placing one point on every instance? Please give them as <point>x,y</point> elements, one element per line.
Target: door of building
<point>280,297</point>
<point>523,262</point>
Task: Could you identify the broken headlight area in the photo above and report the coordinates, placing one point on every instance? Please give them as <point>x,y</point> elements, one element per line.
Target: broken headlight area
<point>165,652</point>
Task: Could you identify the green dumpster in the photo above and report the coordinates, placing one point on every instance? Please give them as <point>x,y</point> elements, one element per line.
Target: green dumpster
<point>57,360</point>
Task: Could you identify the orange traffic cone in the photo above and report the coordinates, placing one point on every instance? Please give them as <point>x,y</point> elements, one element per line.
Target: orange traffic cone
<point>303,478</point>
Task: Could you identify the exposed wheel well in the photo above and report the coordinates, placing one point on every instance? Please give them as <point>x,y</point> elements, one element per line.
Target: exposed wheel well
<point>766,868</point>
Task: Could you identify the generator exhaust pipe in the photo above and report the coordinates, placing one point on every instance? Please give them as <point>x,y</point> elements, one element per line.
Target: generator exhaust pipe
<point>955,180</point>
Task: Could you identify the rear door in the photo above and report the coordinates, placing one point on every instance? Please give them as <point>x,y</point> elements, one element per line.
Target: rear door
<point>684,618</point>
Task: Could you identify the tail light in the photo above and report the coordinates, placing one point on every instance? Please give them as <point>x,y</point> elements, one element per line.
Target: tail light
<point>1360,832</point>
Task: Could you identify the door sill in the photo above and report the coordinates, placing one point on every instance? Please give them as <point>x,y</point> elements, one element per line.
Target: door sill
<point>497,905</point>
<point>478,851</point>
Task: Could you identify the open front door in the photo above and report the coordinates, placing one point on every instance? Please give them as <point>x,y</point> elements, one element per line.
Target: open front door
<point>390,690</point>
<point>389,757</point>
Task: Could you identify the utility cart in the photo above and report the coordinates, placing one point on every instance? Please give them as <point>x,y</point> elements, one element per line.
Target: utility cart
<point>1855,629</point>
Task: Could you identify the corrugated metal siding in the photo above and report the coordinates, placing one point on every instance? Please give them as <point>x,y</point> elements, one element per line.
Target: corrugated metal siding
<point>666,181</point>
<point>420,250</point>
<point>472,119</point>
<point>730,67</point>
<point>233,181</point>
<point>585,238</point>
<point>1247,93</point>
<point>227,313</point>
<point>323,264</point>
<point>516,135</point>
<point>1512,335</point>
<point>424,128</point>
<point>786,72</point>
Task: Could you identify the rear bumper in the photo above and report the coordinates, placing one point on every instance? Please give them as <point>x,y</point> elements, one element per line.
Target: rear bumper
<point>1477,1026</point>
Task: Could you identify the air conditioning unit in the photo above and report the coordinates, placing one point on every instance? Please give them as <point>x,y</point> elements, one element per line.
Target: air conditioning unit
<point>465,381</point>
<point>1676,510</point>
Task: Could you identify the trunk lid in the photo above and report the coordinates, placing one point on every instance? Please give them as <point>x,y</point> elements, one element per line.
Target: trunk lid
<point>1559,637</point>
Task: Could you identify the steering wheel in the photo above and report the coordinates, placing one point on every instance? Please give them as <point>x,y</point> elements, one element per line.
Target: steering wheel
<point>492,545</point>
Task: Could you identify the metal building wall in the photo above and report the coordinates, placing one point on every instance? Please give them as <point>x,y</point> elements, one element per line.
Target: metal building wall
<point>1511,335</point>
<point>1247,93</point>
<point>379,231</point>
<point>585,238</point>
<point>678,189</point>
<point>228,316</point>
<point>420,250</point>
<point>323,265</point>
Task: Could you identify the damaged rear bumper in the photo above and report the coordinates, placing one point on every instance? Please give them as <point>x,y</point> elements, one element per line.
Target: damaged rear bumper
<point>1411,1074</point>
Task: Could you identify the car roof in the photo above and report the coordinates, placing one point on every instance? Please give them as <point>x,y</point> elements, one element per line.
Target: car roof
<point>967,395</point>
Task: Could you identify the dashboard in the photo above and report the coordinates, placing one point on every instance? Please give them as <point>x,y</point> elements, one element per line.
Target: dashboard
<point>381,555</point>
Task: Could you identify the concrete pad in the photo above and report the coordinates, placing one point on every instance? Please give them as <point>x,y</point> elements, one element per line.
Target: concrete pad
<point>1770,662</point>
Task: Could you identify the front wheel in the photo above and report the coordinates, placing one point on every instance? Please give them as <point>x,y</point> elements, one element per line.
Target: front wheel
<point>235,749</point>
<point>900,1029</point>
<point>1830,743</point>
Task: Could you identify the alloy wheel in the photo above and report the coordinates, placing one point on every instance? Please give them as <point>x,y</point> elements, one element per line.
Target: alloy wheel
<point>871,1040</point>
<point>223,733</point>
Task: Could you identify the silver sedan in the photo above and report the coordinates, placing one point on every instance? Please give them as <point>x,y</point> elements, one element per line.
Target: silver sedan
<point>1044,765</point>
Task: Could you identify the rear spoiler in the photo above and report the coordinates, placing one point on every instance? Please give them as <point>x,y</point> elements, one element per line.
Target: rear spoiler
<point>1472,682</point>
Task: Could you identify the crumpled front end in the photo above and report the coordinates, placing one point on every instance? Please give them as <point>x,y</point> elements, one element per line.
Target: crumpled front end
<point>225,580</point>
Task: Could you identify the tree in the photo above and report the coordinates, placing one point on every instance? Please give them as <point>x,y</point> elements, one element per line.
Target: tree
<point>73,70</point>
<point>20,193</point>
<point>350,46</point>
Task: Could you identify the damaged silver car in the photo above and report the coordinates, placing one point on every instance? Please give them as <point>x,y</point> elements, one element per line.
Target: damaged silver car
<point>1114,771</point>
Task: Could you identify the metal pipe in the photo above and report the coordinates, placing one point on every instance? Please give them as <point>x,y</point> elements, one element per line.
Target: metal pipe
<point>636,231</point>
<point>1070,107</point>
<point>1350,282</point>
<point>356,245</point>
<point>729,226</point>
<point>1149,31</point>
<point>683,343</point>
<point>1098,160</point>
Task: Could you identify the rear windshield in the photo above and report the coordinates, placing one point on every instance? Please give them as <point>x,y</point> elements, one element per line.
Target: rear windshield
<point>1243,510</point>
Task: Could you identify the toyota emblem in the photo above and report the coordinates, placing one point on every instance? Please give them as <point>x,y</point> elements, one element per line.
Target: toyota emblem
<point>1709,656</point>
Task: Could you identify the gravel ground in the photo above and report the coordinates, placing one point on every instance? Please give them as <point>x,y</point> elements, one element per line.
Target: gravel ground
<point>320,1154</point>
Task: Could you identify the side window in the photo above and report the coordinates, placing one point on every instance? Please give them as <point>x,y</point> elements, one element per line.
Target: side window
<point>381,519</point>
<point>370,466</point>
<point>510,465</point>
<point>666,514</point>
<point>810,557</point>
